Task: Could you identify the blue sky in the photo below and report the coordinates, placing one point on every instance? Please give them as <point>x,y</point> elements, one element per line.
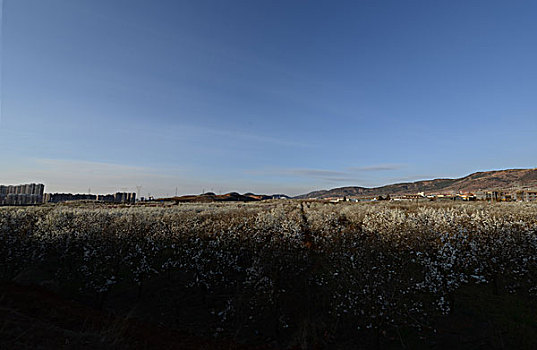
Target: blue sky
<point>264,96</point>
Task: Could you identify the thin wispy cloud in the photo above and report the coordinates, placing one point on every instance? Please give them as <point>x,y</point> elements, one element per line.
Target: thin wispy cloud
<point>350,174</point>
<point>192,131</point>
<point>314,172</point>
<point>378,167</point>
<point>414,178</point>
<point>79,176</point>
<point>63,175</point>
<point>254,137</point>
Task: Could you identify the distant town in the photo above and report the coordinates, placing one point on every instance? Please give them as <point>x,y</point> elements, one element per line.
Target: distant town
<point>516,195</point>
<point>34,194</point>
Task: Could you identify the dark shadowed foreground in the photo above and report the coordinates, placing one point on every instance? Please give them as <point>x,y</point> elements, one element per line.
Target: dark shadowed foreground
<point>282,274</point>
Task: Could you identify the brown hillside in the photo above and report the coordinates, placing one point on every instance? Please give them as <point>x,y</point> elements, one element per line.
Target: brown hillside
<point>486,180</point>
<point>211,197</point>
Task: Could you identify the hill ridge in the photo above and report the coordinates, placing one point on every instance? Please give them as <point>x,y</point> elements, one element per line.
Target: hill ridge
<point>481,180</point>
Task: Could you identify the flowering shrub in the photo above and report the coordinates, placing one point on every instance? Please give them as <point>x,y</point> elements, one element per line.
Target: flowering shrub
<point>290,271</point>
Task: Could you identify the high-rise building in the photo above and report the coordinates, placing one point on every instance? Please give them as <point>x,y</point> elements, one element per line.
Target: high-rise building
<point>27,194</point>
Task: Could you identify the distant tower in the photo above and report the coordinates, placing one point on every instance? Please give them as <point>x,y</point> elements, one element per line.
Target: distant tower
<point>138,190</point>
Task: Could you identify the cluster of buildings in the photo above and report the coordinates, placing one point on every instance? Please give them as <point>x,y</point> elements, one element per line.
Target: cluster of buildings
<point>65,197</point>
<point>28,194</point>
<point>34,194</point>
<point>508,195</point>
<point>118,197</point>
<point>515,195</point>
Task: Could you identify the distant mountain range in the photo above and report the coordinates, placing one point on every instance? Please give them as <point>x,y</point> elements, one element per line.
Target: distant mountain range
<point>228,197</point>
<point>486,180</point>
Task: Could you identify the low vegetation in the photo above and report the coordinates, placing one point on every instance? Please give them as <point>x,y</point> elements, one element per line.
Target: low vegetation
<point>291,273</point>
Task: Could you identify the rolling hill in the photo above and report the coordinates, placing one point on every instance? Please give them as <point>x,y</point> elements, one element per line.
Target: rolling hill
<point>228,197</point>
<point>486,180</point>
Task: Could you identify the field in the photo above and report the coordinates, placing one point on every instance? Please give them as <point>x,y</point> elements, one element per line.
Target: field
<point>275,274</point>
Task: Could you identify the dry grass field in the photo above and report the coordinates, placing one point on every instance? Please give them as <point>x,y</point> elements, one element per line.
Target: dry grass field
<point>277,274</point>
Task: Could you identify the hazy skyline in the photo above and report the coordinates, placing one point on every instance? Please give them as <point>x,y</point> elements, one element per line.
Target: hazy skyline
<point>263,96</point>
